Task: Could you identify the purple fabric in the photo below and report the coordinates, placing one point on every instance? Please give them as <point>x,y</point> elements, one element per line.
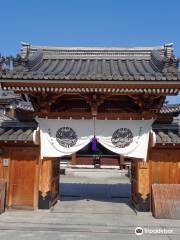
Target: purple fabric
<point>94,144</point>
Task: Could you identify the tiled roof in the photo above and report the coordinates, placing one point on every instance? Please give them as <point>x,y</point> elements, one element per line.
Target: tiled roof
<point>8,96</point>
<point>15,100</point>
<point>167,133</point>
<point>17,131</point>
<point>170,108</point>
<point>165,137</point>
<point>26,106</point>
<point>53,63</point>
<point>3,117</point>
<point>14,134</point>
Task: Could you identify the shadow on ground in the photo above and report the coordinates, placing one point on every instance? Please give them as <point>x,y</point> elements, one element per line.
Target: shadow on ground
<point>100,196</point>
<point>115,193</point>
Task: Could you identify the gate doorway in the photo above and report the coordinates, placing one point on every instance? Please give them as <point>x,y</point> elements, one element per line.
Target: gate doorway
<point>93,180</point>
<point>95,191</point>
<point>108,185</point>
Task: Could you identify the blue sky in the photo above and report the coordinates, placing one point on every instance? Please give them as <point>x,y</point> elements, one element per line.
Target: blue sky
<point>111,23</point>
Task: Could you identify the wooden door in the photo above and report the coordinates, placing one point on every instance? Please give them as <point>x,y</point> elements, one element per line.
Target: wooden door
<point>23,171</point>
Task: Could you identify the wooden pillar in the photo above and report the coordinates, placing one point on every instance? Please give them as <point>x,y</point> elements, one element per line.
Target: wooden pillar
<point>48,183</point>
<point>44,201</point>
<point>140,184</point>
<point>121,161</point>
<point>73,159</point>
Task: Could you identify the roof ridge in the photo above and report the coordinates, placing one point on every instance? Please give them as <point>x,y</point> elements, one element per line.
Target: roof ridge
<point>27,48</point>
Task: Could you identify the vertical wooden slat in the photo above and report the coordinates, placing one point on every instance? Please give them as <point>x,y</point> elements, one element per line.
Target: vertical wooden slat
<point>173,172</point>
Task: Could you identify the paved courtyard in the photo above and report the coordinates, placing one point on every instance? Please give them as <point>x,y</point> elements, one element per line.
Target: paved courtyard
<point>93,205</point>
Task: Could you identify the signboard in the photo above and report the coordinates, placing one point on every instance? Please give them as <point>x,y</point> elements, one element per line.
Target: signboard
<point>5,162</point>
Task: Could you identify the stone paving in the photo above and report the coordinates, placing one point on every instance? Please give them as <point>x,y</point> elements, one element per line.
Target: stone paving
<point>93,205</point>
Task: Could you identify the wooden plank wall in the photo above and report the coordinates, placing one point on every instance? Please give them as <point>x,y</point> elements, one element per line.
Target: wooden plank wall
<point>165,165</point>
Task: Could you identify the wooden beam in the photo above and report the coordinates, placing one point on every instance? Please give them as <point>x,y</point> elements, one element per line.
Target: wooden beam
<point>88,115</point>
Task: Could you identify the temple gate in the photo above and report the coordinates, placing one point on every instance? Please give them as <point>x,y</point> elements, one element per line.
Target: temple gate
<point>86,84</point>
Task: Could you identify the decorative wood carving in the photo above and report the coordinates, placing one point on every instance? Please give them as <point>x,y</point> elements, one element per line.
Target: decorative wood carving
<point>119,104</point>
<point>45,177</point>
<point>95,100</point>
<point>43,102</point>
<point>143,179</point>
<point>148,103</point>
<point>140,184</point>
<point>137,107</point>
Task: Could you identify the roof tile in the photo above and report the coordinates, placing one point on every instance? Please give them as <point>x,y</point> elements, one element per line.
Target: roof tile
<point>95,64</point>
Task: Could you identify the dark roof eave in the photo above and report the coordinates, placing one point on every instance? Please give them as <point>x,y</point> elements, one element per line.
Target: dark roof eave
<point>172,126</point>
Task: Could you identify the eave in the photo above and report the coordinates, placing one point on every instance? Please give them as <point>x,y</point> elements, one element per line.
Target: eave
<point>153,87</point>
